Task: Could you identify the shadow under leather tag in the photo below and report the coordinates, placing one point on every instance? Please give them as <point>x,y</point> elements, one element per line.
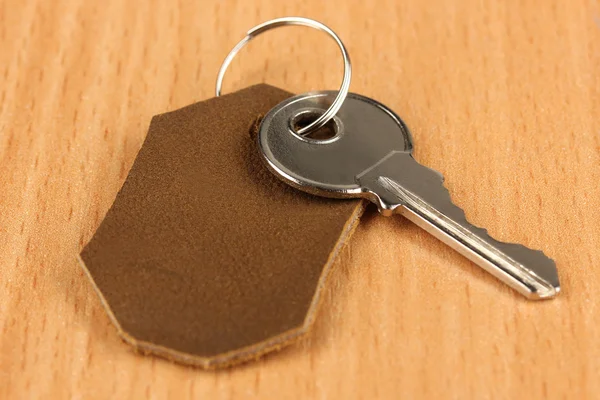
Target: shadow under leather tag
<point>205,257</point>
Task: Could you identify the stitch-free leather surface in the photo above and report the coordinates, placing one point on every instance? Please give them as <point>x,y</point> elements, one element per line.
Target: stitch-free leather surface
<point>205,257</point>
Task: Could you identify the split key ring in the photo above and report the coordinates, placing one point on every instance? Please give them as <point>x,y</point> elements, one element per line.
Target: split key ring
<point>275,23</point>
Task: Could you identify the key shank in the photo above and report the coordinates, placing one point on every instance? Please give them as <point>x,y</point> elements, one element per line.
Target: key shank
<point>398,184</point>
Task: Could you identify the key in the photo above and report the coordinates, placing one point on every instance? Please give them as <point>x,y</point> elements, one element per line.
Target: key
<point>366,151</point>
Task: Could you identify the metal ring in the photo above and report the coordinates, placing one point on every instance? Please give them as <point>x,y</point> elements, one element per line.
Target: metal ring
<point>275,23</point>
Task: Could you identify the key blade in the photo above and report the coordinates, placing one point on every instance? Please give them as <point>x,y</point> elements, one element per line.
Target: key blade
<point>417,192</point>
<point>539,278</point>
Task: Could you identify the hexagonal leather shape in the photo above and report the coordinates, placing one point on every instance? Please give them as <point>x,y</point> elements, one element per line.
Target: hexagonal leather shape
<point>205,257</point>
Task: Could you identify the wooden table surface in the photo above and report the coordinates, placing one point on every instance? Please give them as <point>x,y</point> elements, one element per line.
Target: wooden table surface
<point>502,97</point>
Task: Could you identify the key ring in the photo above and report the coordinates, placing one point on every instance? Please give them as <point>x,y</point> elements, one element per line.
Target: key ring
<point>275,23</point>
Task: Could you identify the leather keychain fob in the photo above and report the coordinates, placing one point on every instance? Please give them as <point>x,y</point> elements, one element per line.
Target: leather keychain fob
<point>205,257</point>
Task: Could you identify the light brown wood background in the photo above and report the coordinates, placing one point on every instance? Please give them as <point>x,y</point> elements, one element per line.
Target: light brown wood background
<point>502,97</point>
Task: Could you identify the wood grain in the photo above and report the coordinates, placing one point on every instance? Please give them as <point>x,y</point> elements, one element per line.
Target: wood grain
<point>502,97</point>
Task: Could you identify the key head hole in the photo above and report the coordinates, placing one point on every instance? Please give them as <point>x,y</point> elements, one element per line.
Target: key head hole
<point>306,117</point>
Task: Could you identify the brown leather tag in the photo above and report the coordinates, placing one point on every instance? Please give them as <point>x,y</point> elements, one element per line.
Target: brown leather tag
<point>205,257</point>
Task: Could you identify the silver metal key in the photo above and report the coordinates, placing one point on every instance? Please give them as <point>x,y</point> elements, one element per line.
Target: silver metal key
<point>370,155</point>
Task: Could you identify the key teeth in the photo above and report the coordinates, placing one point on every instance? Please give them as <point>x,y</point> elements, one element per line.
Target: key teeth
<point>550,273</point>
<point>537,257</point>
<point>463,216</point>
<point>540,265</point>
